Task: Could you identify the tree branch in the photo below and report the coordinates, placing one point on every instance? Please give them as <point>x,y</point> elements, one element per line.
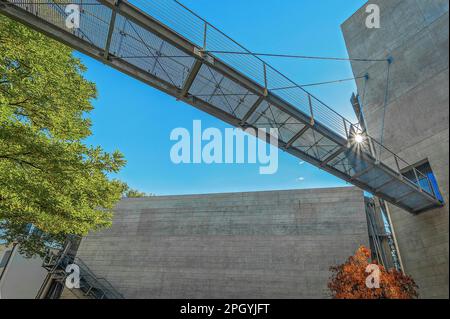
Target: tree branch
<point>21,162</point>
<point>19,103</point>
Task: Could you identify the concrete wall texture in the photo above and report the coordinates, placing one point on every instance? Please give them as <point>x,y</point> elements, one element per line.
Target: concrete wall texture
<point>415,34</point>
<point>276,244</point>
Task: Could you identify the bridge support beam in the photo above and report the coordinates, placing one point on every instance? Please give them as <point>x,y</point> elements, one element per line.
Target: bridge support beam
<point>296,137</point>
<point>332,156</point>
<point>112,23</point>
<point>361,173</point>
<point>191,77</point>
<point>356,160</point>
<point>252,109</point>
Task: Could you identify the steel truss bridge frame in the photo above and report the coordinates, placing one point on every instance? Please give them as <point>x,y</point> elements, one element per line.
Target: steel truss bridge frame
<point>168,47</point>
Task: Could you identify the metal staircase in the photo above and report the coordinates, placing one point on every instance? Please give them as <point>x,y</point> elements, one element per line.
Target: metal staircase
<point>91,286</point>
<point>165,45</point>
<point>381,237</point>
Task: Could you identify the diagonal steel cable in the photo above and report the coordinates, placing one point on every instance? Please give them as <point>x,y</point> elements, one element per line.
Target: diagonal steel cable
<point>219,87</point>
<point>149,50</point>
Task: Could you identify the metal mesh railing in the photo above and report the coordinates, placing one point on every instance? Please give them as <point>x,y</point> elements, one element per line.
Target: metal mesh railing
<point>419,179</point>
<point>140,47</point>
<point>383,154</point>
<point>206,36</point>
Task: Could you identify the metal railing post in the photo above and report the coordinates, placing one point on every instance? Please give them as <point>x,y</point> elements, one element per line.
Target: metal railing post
<point>380,150</point>
<point>347,134</point>
<point>266,90</point>
<point>311,110</point>
<point>205,36</point>
<point>417,179</point>
<point>398,166</point>
<point>431,187</point>
<point>112,23</point>
<point>372,147</point>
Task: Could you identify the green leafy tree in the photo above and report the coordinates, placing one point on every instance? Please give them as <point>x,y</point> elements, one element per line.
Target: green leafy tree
<point>133,193</point>
<point>48,176</point>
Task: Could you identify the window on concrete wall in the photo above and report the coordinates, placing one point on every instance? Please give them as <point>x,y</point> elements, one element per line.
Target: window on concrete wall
<point>430,185</point>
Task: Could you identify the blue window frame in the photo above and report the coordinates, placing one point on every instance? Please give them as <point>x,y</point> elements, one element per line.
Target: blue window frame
<point>429,185</point>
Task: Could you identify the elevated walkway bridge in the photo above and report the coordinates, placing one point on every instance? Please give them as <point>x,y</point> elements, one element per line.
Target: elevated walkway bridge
<point>165,45</point>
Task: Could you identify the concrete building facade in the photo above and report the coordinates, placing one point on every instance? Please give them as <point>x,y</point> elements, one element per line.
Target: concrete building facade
<point>408,111</point>
<point>276,244</point>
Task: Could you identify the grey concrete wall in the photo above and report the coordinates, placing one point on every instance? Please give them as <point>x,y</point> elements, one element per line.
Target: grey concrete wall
<point>245,245</point>
<point>415,34</point>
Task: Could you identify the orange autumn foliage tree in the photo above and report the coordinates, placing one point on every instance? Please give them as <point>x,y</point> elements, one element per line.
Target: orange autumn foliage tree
<point>348,281</point>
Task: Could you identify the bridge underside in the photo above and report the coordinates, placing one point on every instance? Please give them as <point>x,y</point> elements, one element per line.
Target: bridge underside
<point>166,46</point>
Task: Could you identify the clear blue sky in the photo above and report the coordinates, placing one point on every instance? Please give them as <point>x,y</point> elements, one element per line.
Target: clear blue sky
<point>137,119</point>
